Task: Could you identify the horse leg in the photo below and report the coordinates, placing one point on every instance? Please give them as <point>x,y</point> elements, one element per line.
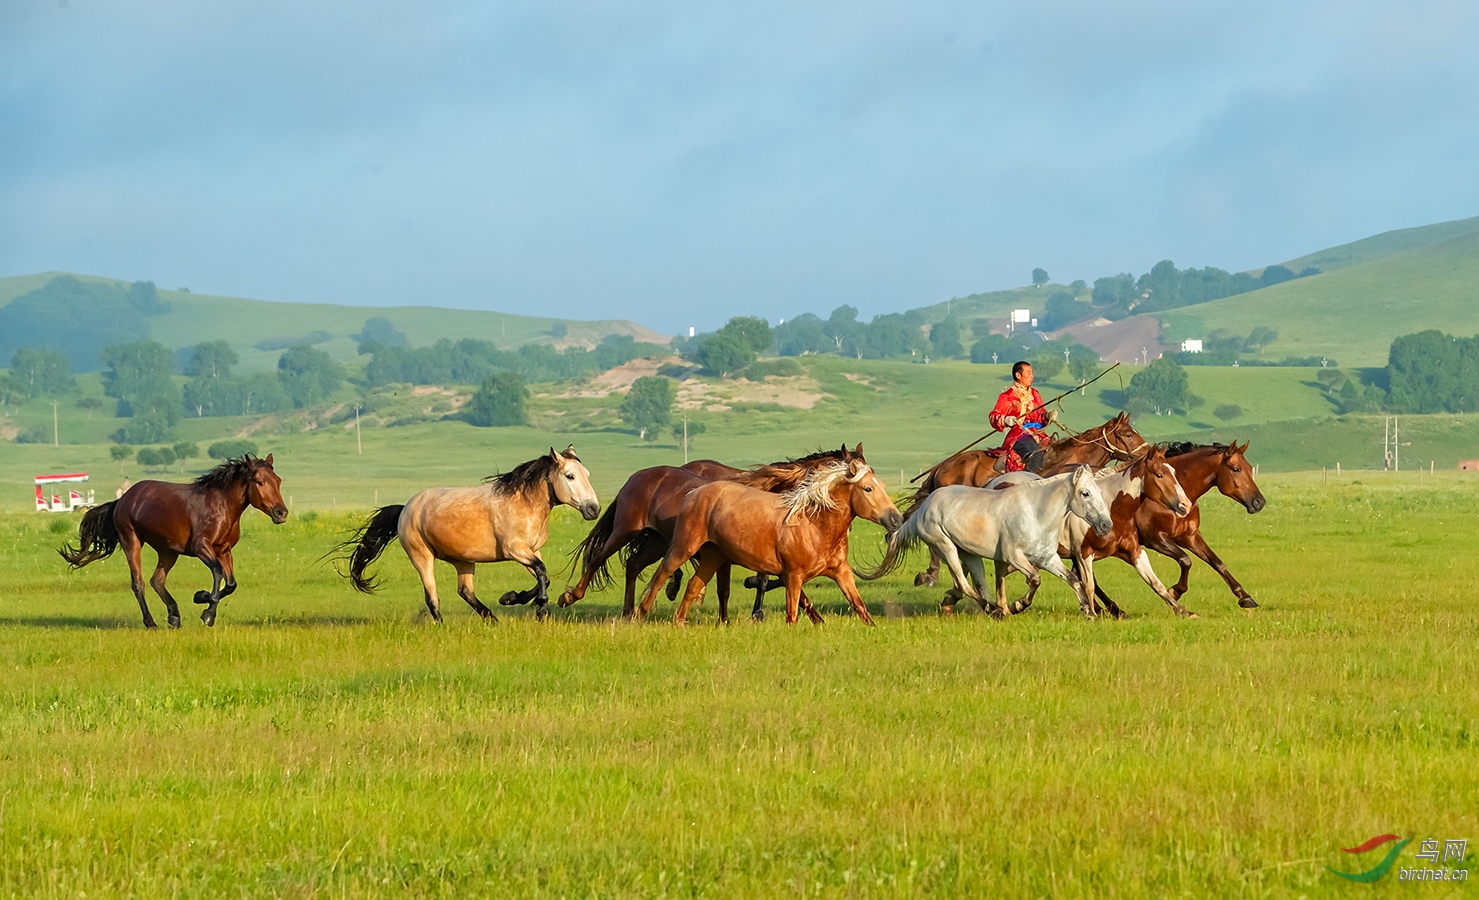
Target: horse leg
<point>161,572</point>
<point>422,561</point>
<point>723,589</point>
<point>811,611</point>
<point>465,571</point>
<point>1054,565</point>
<point>849,585</point>
<point>1002,570</point>
<point>794,583</point>
<point>930,576</point>
<point>133,551</point>
<point>1021,563</point>
<point>539,593</point>
<point>1142,565</point>
<point>1197,545</point>
<point>576,592</point>
<point>948,553</point>
<point>1086,589</point>
<point>975,567</point>
<point>209,599</point>
<point>760,582</point>
<point>709,562</point>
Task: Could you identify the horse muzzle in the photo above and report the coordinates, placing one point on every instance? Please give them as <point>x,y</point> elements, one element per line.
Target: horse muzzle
<point>1256,504</point>
<point>893,520</point>
<point>279,515</point>
<point>1104,526</point>
<point>590,510</point>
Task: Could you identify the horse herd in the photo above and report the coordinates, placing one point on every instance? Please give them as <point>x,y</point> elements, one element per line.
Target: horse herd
<point>1103,493</point>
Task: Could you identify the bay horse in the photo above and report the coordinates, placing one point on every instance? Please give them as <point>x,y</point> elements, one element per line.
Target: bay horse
<point>798,535</point>
<point>1199,468</point>
<point>200,519</point>
<point>1019,528</point>
<point>1116,439</point>
<point>639,521</point>
<point>506,519</point>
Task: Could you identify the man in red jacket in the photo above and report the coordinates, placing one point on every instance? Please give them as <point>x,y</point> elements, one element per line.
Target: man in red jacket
<point>1017,413</point>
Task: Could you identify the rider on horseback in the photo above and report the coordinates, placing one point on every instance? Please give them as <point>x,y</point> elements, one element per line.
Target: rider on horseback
<point>1019,413</point>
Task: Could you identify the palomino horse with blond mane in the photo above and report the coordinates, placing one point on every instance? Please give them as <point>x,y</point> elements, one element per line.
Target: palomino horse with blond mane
<point>1100,445</point>
<point>506,519</point>
<point>639,522</point>
<point>798,535</point>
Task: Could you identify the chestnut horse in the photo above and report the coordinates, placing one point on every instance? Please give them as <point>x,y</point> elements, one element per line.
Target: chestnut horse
<point>201,519</point>
<point>508,519</point>
<point>639,521</point>
<point>800,535</point>
<point>1100,445</point>
<point>1199,468</point>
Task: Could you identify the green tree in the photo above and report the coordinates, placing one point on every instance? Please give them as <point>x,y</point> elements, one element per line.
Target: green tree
<point>91,404</point>
<point>1039,277</point>
<point>157,458</point>
<point>211,359</point>
<point>309,375</point>
<point>1276,275</point>
<point>804,334</point>
<point>1047,362</point>
<point>1160,387</point>
<point>232,449</point>
<point>648,405</point>
<point>1004,349</point>
<point>500,401</point>
<point>379,331</point>
<point>945,340</point>
<point>138,376</point>
<point>185,450</point>
<point>755,332</point>
<point>725,352</point>
<point>1062,309</point>
<point>1261,337</point>
<point>120,452</point>
<point>842,324</point>
<point>1228,411</point>
<point>1083,363</point>
<point>41,371</point>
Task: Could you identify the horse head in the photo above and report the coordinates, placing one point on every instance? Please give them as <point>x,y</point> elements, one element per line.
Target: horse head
<point>868,496</point>
<point>1086,502</point>
<point>1158,481</point>
<point>1235,478</point>
<point>264,489</point>
<point>571,483</point>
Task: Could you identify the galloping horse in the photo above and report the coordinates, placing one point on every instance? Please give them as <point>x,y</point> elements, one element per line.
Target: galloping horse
<point>508,519</point>
<point>1199,468</point>
<point>640,520</point>
<point>1017,528</point>
<point>1114,440</point>
<point>201,519</point>
<point>799,535</point>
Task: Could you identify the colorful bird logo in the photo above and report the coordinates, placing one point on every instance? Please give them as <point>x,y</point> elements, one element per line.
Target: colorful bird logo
<point>1381,868</point>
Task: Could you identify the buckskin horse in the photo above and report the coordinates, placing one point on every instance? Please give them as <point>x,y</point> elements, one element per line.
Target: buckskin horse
<point>639,521</point>
<point>1199,468</point>
<point>799,535</point>
<point>200,519</point>
<point>507,519</point>
<point>1096,447</point>
<point>1018,528</point>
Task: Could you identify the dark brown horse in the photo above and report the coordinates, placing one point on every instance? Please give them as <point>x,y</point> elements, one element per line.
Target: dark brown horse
<point>639,521</point>
<point>201,519</point>
<point>801,534</point>
<point>1199,468</point>
<point>1100,445</point>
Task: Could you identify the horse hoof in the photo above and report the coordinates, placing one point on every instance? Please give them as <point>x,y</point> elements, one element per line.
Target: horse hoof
<point>566,599</point>
<point>924,579</point>
<point>1121,615</point>
<point>997,614</point>
<point>174,621</point>
<point>947,611</point>
<point>1248,603</point>
<point>509,598</point>
<point>203,597</point>
<point>758,615</point>
<point>208,617</point>
<point>1191,615</point>
<point>1019,607</point>
<point>542,614</point>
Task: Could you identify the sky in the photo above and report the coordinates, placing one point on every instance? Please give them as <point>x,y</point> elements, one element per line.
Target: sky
<point>680,163</point>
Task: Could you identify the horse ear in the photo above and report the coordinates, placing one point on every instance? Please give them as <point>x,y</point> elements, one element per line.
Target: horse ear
<point>268,460</point>
<point>570,451</point>
<point>858,450</point>
<point>554,454</point>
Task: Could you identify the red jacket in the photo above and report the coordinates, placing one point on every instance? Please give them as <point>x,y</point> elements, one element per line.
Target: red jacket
<point>1014,401</point>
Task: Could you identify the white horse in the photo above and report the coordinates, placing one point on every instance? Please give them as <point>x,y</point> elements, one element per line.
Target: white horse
<point>1017,529</point>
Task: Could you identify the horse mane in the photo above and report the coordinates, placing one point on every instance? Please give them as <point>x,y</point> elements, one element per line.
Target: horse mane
<point>228,474</point>
<point>814,493</point>
<point>524,477</point>
<point>1180,448</point>
<point>786,474</point>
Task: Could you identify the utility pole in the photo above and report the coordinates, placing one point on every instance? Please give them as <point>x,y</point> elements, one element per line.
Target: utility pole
<point>56,440</point>
<point>358,444</point>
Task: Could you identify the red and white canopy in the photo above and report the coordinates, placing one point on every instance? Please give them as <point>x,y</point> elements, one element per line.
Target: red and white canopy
<point>58,479</point>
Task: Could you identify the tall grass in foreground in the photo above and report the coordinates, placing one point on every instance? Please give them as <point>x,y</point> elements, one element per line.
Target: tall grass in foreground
<point>319,743</point>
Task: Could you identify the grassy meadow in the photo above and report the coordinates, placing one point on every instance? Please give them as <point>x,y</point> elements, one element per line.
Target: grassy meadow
<point>321,743</point>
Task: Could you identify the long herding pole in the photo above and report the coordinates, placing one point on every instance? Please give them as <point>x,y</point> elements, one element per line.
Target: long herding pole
<point>1043,405</point>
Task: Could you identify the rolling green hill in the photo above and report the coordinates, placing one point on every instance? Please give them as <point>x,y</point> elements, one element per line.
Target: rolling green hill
<point>244,322</point>
<point>1388,243</point>
<point>1353,313</point>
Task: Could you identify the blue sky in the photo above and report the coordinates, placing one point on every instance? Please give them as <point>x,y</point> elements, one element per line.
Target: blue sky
<point>678,163</point>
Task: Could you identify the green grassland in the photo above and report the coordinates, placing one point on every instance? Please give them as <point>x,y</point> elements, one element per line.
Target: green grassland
<point>1353,313</point>
<point>908,416</point>
<point>243,323</point>
<point>321,743</point>
<point>1388,243</point>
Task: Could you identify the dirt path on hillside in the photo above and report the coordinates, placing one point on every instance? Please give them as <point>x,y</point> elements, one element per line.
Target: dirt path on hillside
<point>1121,341</point>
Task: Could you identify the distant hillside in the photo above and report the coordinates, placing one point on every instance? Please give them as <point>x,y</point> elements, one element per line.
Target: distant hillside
<point>1352,313</point>
<point>1388,243</point>
<point>244,323</point>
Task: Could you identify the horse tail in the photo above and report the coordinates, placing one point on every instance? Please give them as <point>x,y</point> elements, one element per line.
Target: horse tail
<point>899,545</point>
<point>367,543</point>
<point>97,537</point>
<point>587,549</point>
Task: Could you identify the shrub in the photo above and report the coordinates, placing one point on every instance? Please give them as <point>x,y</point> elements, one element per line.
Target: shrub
<point>231,449</point>
<point>499,402</point>
<point>1228,411</point>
